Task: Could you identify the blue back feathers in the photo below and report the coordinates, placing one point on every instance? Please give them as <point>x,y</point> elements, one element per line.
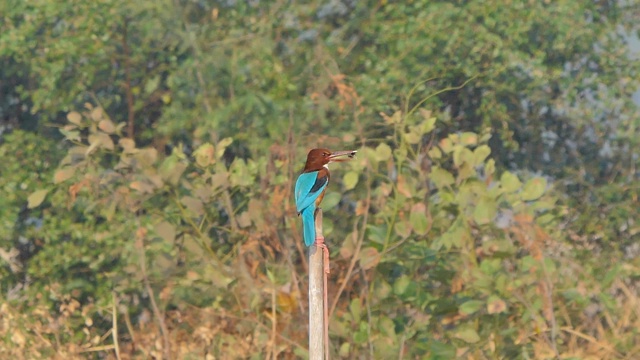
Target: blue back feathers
<point>308,188</point>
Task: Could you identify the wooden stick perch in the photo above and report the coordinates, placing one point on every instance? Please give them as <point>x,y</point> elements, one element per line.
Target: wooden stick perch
<point>318,334</point>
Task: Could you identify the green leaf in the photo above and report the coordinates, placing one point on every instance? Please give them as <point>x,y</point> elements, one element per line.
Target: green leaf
<point>171,169</point>
<point>146,157</point>
<point>166,231</point>
<point>152,85</point>
<point>193,204</point>
<point>217,276</point>
<point>413,136</point>
<point>355,307</point>
<point>63,174</point>
<point>382,290</point>
<point>383,152</point>
<point>368,153</point>
<point>240,175</point>
<point>102,140</point>
<point>468,138</point>
<point>435,153</point>
<point>510,182</point>
<point>485,135</point>
<point>418,219</point>
<point>270,276</point>
<point>128,145</point>
<point>107,126</point>
<point>491,266</point>
<point>611,275</point>
<point>441,178</point>
<point>361,336</point>
<point>496,305</point>
<point>468,335</point>
<point>462,155</point>
<point>142,186</point>
<point>534,188</point>
<point>36,198</point>
<point>471,307</point>
<point>71,135</point>
<point>345,349</point>
<point>396,118</point>
<point>466,171</point>
<point>75,118</point>
<point>377,234</point>
<point>369,258</point>
<point>350,180</point>
<point>400,154</point>
<point>96,114</point>
<point>327,226</point>
<point>331,199</point>
<point>446,145</point>
<point>485,211</point>
<point>490,167</point>
<point>401,285</point>
<point>204,155</point>
<point>442,351</point>
<point>480,154</point>
<point>402,229</point>
<point>222,146</point>
<point>428,125</point>
<point>386,326</point>
<point>454,236</point>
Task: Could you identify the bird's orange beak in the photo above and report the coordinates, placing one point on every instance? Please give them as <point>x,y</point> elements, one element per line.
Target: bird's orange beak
<point>339,156</point>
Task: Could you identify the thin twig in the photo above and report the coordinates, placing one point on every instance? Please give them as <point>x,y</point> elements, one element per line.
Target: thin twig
<point>96,348</point>
<point>273,354</point>
<point>356,253</point>
<point>114,327</point>
<point>127,82</point>
<point>201,236</point>
<point>127,321</point>
<point>368,306</point>
<point>401,347</point>
<point>450,88</point>
<point>154,306</point>
<point>258,323</point>
<point>592,340</point>
<point>554,323</point>
<point>294,277</point>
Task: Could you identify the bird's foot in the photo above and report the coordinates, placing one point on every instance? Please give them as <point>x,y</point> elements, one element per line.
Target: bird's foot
<point>320,244</point>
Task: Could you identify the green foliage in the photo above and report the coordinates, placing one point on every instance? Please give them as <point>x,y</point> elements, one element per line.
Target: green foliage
<point>498,224</point>
<point>458,251</point>
<point>22,176</point>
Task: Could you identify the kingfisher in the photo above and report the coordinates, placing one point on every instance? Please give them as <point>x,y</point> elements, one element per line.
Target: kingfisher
<point>312,184</point>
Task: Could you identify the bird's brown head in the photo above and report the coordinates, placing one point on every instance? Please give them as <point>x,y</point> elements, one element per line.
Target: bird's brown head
<point>317,158</point>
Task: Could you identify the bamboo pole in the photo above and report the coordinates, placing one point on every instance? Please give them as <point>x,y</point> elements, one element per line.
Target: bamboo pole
<point>316,295</point>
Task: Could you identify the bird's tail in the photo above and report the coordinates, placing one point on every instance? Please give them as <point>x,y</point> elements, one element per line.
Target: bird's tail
<point>308,225</point>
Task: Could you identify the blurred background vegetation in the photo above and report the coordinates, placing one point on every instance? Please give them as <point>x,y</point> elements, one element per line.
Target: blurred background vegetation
<point>149,149</point>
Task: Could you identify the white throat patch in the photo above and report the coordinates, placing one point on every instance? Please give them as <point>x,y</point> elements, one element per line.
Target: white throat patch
<point>326,166</point>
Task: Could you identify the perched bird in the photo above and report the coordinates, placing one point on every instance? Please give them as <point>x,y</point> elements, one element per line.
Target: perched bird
<point>311,185</point>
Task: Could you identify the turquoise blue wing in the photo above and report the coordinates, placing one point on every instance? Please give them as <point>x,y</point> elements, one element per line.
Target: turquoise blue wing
<point>308,187</point>
<point>303,187</point>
